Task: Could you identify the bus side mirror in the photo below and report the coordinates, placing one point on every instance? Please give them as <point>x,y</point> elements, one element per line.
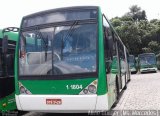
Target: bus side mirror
<point>5,44</point>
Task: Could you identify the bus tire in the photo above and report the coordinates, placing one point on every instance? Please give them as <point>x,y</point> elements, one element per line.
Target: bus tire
<point>129,79</point>
<point>117,88</point>
<point>125,87</point>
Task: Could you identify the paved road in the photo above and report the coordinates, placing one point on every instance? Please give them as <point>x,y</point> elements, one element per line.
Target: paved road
<point>143,93</point>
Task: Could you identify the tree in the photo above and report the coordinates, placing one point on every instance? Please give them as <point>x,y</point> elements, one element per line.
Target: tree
<point>136,13</point>
<point>116,22</point>
<point>128,32</point>
<point>137,33</point>
<point>154,46</point>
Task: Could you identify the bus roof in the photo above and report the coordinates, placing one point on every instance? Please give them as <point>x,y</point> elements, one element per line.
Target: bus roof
<point>58,15</point>
<point>11,35</point>
<point>61,9</point>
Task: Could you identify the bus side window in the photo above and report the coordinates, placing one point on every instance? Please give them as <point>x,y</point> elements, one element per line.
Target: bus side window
<point>121,57</point>
<point>108,45</point>
<point>10,63</point>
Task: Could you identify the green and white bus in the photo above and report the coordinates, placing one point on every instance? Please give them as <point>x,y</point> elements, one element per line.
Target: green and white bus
<point>69,60</point>
<point>8,41</point>
<point>132,63</point>
<point>147,62</point>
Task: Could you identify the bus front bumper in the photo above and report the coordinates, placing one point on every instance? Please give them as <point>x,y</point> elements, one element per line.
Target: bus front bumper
<point>62,103</point>
<point>133,69</point>
<point>148,70</point>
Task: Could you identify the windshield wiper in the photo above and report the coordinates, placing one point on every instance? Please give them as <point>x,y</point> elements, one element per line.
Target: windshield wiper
<point>70,30</point>
<point>67,35</point>
<point>147,63</point>
<point>45,41</point>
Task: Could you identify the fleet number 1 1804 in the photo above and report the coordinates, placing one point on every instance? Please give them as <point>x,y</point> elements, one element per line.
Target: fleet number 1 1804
<point>74,86</point>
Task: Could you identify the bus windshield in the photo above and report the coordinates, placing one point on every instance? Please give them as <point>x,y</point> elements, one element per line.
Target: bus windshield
<point>58,50</point>
<point>148,59</point>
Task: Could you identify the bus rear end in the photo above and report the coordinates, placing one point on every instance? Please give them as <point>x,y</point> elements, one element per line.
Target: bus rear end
<point>8,41</point>
<point>58,61</point>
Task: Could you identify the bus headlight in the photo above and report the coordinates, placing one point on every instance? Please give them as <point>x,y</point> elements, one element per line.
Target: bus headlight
<point>23,90</point>
<point>85,91</point>
<point>92,88</point>
<point>4,104</point>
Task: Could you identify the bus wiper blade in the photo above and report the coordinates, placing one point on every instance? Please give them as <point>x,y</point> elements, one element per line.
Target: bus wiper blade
<point>148,63</point>
<point>44,41</point>
<point>71,29</point>
<point>46,49</point>
<point>41,37</point>
<point>66,36</point>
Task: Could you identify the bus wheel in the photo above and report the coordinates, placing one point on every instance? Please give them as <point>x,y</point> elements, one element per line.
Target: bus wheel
<point>129,79</point>
<point>117,89</point>
<point>125,87</point>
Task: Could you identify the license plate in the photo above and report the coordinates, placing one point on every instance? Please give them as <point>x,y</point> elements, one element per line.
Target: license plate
<point>53,101</point>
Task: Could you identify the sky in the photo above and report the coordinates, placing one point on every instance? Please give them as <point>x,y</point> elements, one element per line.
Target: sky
<point>12,11</point>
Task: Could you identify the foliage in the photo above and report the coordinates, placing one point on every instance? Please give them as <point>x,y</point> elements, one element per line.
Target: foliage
<point>154,46</point>
<point>136,13</point>
<point>138,34</point>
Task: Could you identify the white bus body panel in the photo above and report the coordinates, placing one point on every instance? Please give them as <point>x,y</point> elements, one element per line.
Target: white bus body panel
<point>69,103</point>
<point>102,103</point>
